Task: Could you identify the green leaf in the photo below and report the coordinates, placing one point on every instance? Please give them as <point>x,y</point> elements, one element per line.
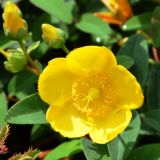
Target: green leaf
<point>147,152</point>
<point>95,151</point>
<point>40,131</point>
<point>61,9</point>
<point>142,21</point>
<point>125,61</point>
<point>137,48</point>
<point>41,51</point>
<point>33,46</point>
<point>30,110</point>
<point>153,89</point>
<point>22,84</point>
<point>152,118</point>
<point>93,25</point>
<point>65,149</point>
<point>5,42</point>
<point>3,108</point>
<point>155,27</point>
<point>120,147</point>
<point>4,74</point>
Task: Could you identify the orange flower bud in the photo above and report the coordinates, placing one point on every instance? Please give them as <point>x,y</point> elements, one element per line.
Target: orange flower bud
<point>14,25</point>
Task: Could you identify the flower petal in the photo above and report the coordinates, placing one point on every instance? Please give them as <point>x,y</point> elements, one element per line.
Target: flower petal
<point>66,120</point>
<point>90,58</point>
<point>109,17</point>
<point>109,127</point>
<point>120,8</point>
<point>55,82</point>
<point>128,90</point>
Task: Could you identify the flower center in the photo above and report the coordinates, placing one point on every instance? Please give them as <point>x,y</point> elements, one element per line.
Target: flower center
<point>93,95</point>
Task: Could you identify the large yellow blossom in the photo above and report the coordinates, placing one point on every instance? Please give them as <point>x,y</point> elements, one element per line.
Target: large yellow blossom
<point>90,94</point>
<point>120,11</point>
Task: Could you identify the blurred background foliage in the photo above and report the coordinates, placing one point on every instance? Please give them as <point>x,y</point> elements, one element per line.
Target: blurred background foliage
<point>136,45</point>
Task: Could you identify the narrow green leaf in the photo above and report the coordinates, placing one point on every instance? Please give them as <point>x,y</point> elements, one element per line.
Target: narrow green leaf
<point>120,147</point>
<point>22,84</point>
<point>41,51</point>
<point>33,46</point>
<point>93,25</point>
<point>5,42</point>
<point>137,48</point>
<point>152,118</point>
<point>125,61</point>
<point>155,27</point>
<point>95,151</point>
<point>3,108</point>
<point>153,89</point>
<point>4,79</point>
<point>40,131</point>
<point>142,21</point>
<point>65,149</point>
<point>147,152</point>
<point>30,110</point>
<point>61,9</point>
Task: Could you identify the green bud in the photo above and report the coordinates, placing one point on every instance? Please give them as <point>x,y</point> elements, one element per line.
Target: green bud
<point>16,61</point>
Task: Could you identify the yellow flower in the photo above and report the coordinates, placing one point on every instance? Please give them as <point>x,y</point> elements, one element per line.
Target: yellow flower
<point>120,11</point>
<point>89,93</point>
<point>14,25</point>
<point>53,36</point>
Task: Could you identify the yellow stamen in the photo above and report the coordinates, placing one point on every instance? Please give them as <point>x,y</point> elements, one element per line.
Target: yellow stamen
<point>93,95</point>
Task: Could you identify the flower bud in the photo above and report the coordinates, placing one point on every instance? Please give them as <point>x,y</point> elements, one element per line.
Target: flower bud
<point>16,61</point>
<point>15,27</point>
<point>53,36</point>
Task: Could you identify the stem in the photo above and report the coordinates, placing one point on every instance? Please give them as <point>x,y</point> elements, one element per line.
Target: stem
<point>30,60</point>
<point>65,49</point>
<point>32,70</point>
<point>155,54</point>
<point>5,54</point>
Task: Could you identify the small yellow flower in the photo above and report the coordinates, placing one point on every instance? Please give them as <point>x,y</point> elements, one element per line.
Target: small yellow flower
<point>53,36</point>
<point>14,25</point>
<point>120,11</point>
<point>89,93</point>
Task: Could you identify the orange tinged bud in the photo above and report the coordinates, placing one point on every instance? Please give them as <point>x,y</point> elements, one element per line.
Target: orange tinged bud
<point>53,36</point>
<point>14,25</point>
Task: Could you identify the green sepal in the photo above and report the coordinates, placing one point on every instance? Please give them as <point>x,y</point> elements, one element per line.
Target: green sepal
<point>16,61</point>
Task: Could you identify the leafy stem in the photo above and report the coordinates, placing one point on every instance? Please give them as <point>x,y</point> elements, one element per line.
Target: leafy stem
<point>34,68</point>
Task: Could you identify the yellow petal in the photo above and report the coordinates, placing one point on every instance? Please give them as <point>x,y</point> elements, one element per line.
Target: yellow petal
<point>109,17</point>
<point>112,5</point>
<point>90,58</point>
<point>107,128</point>
<point>128,90</point>
<point>66,120</point>
<point>55,82</point>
